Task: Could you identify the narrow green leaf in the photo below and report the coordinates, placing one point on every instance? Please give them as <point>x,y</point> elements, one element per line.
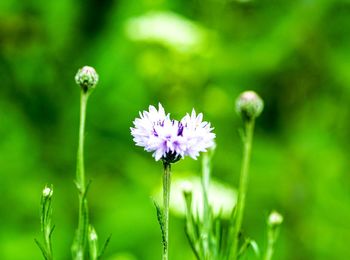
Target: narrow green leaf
<point>255,248</point>
<point>249,243</point>
<point>192,244</point>
<point>104,246</point>
<point>87,189</point>
<point>51,231</point>
<point>160,219</point>
<point>42,249</point>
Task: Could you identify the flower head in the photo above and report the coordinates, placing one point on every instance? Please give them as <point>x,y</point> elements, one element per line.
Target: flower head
<point>86,78</point>
<point>171,140</point>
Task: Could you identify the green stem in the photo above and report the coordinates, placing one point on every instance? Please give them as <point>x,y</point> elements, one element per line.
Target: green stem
<point>206,210</point>
<point>270,244</point>
<point>47,240</point>
<point>80,156</point>
<point>248,141</point>
<point>46,226</point>
<point>166,200</point>
<point>81,235</point>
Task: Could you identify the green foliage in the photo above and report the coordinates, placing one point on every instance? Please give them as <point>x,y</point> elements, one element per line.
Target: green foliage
<point>214,243</point>
<point>295,54</point>
<point>212,236</point>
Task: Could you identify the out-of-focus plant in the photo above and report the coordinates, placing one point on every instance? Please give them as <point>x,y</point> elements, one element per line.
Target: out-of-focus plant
<point>249,105</point>
<point>170,140</point>
<point>273,223</point>
<point>222,197</point>
<point>46,225</point>
<point>212,237</point>
<point>86,79</point>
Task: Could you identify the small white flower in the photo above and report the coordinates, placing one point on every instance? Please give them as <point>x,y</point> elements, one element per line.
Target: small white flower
<point>169,139</point>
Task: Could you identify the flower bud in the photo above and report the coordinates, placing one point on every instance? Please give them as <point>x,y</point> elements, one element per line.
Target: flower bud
<point>93,234</point>
<point>47,192</point>
<point>186,187</point>
<point>93,243</point>
<point>275,219</point>
<point>86,78</point>
<point>249,105</point>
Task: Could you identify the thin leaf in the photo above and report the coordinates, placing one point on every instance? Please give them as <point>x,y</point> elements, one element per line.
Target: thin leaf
<point>161,223</point>
<point>255,248</point>
<point>51,231</point>
<point>86,189</point>
<point>104,247</point>
<point>42,249</point>
<point>249,243</point>
<point>192,244</point>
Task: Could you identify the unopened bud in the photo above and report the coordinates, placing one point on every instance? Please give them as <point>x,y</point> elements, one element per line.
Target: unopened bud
<point>47,192</point>
<point>93,245</point>
<point>93,234</point>
<point>86,78</point>
<point>249,105</point>
<point>186,187</point>
<point>275,219</point>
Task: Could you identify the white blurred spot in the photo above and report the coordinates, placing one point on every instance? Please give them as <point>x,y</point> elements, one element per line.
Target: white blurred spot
<point>222,197</point>
<point>166,28</point>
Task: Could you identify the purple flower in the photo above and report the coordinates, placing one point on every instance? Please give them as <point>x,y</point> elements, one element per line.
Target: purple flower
<point>169,139</point>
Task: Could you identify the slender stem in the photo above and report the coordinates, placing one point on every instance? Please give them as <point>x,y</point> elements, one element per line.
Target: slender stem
<point>270,244</point>
<point>80,156</point>
<point>166,200</point>
<point>80,181</point>
<point>46,226</point>
<point>48,240</point>
<point>242,190</point>
<point>206,210</point>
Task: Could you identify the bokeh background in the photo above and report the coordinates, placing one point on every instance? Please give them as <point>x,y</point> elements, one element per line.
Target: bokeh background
<point>184,54</point>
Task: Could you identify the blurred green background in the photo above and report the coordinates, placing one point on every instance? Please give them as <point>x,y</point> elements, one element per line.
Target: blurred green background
<point>184,54</point>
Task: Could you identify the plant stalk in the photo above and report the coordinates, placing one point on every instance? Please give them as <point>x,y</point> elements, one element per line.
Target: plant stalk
<point>271,238</point>
<point>166,201</point>
<point>206,209</point>
<point>81,235</point>
<point>47,232</point>
<point>242,190</point>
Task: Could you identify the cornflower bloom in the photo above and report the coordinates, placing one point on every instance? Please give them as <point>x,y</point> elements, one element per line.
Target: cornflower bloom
<point>170,140</point>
